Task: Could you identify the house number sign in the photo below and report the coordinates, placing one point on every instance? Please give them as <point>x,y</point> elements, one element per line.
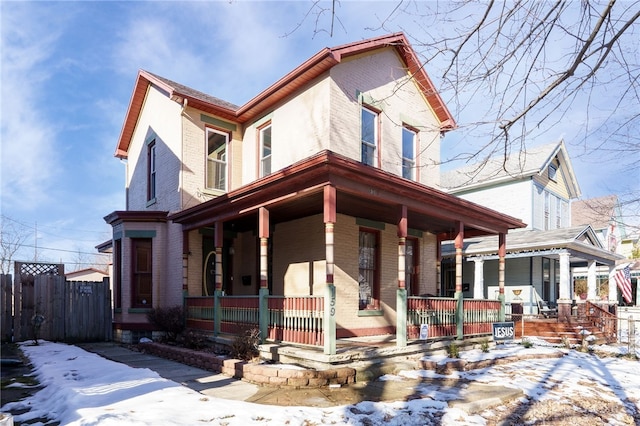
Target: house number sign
<point>503,331</point>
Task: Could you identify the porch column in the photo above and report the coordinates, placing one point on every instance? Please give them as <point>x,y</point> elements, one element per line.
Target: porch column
<point>329,323</point>
<point>439,266</point>
<point>217,293</point>
<point>263,235</point>
<point>401,298</point>
<point>613,289</point>
<point>185,264</point>
<point>591,280</point>
<point>478,278</point>
<point>502,253</point>
<point>564,301</point>
<point>459,244</point>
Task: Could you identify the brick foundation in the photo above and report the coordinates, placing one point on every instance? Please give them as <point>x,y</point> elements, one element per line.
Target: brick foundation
<point>276,375</point>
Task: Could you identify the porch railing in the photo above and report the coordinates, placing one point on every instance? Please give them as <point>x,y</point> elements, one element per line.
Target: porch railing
<point>479,315</point>
<point>439,313</point>
<point>603,320</point>
<point>296,319</point>
<point>290,319</point>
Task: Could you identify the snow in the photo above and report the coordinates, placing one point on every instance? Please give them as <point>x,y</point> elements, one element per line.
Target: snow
<point>82,388</point>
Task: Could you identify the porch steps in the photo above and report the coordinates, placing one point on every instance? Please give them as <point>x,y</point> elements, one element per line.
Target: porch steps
<point>558,331</point>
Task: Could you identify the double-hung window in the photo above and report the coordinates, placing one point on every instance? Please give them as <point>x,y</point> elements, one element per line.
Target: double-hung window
<point>217,145</point>
<point>368,270</point>
<point>142,282</point>
<point>151,170</point>
<point>265,150</point>
<point>408,153</point>
<point>369,136</point>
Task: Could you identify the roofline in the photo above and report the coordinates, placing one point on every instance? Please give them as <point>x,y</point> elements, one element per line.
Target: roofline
<point>313,67</point>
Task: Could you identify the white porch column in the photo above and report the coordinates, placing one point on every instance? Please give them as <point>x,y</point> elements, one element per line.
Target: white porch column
<point>478,279</point>
<point>613,288</point>
<point>565,277</point>
<point>591,280</point>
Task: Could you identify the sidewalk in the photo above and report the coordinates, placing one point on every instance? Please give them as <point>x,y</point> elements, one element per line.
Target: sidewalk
<point>469,396</point>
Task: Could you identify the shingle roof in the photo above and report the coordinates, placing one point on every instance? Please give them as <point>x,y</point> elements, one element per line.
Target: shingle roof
<point>517,165</point>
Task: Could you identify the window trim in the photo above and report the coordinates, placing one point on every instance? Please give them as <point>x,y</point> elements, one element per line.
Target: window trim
<point>151,171</point>
<point>376,135</point>
<point>227,156</point>
<point>260,166</point>
<point>374,305</point>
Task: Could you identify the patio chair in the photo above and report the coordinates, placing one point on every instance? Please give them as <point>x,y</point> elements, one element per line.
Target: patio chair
<point>546,311</point>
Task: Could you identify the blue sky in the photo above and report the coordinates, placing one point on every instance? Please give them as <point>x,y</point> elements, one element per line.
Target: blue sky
<point>68,69</point>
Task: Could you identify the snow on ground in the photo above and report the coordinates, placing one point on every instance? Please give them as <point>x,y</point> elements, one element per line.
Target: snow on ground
<point>81,388</point>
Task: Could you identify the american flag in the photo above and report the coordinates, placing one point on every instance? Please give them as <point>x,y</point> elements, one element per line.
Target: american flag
<point>623,280</point>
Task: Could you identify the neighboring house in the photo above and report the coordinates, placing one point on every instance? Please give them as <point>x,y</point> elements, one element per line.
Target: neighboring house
<point>321,189</point>
<point>537,186</point>
<point>87,274</point>
<point>604,216</point>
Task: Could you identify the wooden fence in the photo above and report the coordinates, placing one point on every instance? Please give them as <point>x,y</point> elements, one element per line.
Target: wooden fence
<point>6,308</point>
<point>73,311</point>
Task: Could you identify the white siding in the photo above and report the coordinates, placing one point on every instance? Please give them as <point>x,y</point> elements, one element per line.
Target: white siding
<point>512,198</point>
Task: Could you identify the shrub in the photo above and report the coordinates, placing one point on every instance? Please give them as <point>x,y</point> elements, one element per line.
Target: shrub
<point>245,345</point>
<point>169,320</point>
<point>454,351</point>
<point>484,345</point>
<point>527,343</point>
<point>191,340</point>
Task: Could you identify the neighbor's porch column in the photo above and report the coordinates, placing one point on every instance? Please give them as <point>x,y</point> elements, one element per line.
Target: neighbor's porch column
<point>263,235</point>
<point>401,297</point>
<point>478,278</point>
<point>564,301</point>
<point>459,244</point>
<point>502,253</point>
<point>613,288</point>
<point>330,289</point>
<point>591,280</point>
<point>217,293</point>
<point>185,263</point>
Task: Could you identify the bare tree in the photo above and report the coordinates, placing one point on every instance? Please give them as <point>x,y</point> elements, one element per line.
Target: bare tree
<point>513,72</point>
<point>12,237</point>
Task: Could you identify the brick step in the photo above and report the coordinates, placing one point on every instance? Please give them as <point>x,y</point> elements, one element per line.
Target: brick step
<point>559,332</point>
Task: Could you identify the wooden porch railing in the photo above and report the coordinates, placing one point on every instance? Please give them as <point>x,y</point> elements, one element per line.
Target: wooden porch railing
<point>296,319</point>
<point>479,315</point>
<point>291,319</point>
<point>603,320</point>
<point>239,313</point>
<point>439,313</point>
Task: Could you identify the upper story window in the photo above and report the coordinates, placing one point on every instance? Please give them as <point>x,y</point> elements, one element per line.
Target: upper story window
<point>369,136</point>
<point>265,150</point>
<point>553,171</point>
<point>547,213</point>
<point>217,145</point>
<point>409,138</point>
<point>151,170</point>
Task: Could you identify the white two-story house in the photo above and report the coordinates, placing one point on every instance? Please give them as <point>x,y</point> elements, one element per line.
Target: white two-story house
<point>322,188</point>
<point>537,185</point>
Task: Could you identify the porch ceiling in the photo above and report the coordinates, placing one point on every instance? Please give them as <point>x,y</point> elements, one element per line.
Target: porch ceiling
<point>361,191</point>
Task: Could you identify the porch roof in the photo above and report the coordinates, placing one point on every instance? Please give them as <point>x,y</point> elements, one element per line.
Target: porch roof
<point>361,191</point>
<point>580,241</point>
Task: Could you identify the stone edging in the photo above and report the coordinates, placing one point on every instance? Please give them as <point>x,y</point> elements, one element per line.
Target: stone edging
<point>260,374</point>
<point>464,365</point>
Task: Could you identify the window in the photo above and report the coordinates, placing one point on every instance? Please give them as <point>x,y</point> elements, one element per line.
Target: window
<point>217,159</point>
<point>368,264</point>
<point>265,150</point>
<point>547,215</point>
<point>151,170</point>
<point>553,170</point>
<point>558,213</point>
<point>141,273</point>
<point>369,136</point>
<point>408,153</point>
<point>411,267</point>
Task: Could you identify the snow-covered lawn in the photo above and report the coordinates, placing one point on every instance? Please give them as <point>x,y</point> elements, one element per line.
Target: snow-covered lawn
<point>81,388</point>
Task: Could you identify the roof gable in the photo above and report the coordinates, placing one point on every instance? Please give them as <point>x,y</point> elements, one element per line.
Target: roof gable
<point>290,83</point>
<point>517,166</point>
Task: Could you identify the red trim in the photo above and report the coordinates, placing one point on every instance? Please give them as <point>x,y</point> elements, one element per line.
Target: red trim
<point>294,81</point>
<point>342,333</point>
